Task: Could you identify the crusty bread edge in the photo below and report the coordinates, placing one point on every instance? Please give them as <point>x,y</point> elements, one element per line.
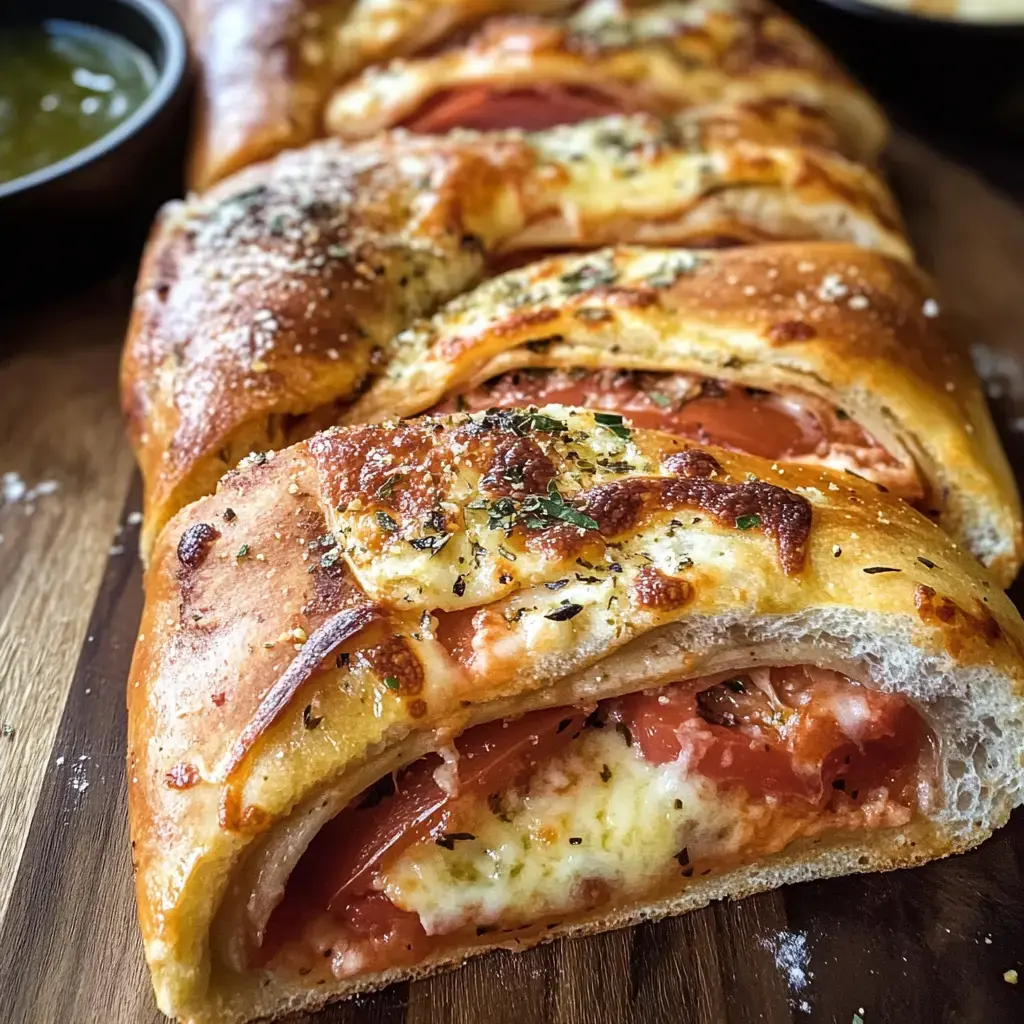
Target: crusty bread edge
<point>261,997</point>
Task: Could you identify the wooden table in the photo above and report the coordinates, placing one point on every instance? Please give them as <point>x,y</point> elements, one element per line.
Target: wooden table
<point>59,420</point>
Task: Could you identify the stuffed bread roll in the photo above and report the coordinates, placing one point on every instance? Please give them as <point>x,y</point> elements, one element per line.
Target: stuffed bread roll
<point>267,67</point>
<point>612,57</point>
<point>820,353</point>
<point>406,693</point>
<point>262,304</point>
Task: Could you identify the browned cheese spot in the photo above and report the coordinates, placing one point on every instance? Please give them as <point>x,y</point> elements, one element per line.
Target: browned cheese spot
<point>518,466</point>
<point>959,627</point>
<point>195,544</point>
<point>692,462</point>
<point>656,591</point>
<point>394,658</point>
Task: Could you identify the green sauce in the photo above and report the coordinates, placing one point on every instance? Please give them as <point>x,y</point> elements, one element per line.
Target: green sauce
<point>62,87</point>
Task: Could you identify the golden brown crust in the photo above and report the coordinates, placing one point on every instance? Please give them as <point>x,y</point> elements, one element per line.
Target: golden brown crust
<point>267,66</point>
<point>860,329</point>
<point>268,70</point>
<point>846,855</point>
<point>243,580</point>
<point>266,298</point>
<point>662,58</point>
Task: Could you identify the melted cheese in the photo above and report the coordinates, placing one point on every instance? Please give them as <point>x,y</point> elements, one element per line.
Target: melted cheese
<point>631,818</point>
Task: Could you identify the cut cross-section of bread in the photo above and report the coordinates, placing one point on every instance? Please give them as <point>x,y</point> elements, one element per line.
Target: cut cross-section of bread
<point>409,692</point>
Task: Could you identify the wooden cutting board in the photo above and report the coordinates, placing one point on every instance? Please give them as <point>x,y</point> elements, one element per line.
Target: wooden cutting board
<point>928,945</point>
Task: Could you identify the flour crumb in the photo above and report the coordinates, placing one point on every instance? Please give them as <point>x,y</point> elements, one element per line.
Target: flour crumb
<point>79,783</point>
<point>791,957</point>
<point>15,490</point>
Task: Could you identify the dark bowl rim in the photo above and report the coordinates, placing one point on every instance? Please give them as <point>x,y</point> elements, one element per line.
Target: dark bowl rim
<point>925,22</point>
<point>170,78</point>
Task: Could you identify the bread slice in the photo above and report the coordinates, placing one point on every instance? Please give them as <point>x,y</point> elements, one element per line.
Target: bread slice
<point>248,732</point>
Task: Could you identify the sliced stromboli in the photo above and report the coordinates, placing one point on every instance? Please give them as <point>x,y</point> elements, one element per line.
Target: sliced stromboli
<point>267,67</point>
<point>612,57</point>
<point>262,304</point>
<point>816,353</point>
<point>406,693</point>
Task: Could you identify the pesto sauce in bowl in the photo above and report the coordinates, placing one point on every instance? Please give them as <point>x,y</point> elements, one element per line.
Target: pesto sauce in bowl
<point>64,86</point>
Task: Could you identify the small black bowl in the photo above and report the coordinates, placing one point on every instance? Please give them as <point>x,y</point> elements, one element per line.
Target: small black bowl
<point>69,221</point>
<point>948,75</point>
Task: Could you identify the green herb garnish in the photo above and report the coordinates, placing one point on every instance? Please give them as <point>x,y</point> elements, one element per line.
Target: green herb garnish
<point>613,421</point>
<point>385,489</point>
<point>564,612</point>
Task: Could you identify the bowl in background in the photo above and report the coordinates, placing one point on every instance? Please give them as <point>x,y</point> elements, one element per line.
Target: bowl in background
<point>940,73</point>
<point>66,222</point>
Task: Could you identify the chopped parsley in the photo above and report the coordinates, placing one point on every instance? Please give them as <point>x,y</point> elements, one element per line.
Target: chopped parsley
<point>613,421</point>
<point>564,612</point>
<point>385,489</point>
<point>242,551</point>
<point>459,586</point>
<point>385,522</point>
<point>330,558</point>
<point>309,720</point>
<point>391,682</point>
<point>606,773</point>
<point>588,275</point>
<point>432,542</point>
<point>672,269</point>
<point>748,522</point>
<point>522,423</point>
<point>880,568</point>
<point>536,512</point>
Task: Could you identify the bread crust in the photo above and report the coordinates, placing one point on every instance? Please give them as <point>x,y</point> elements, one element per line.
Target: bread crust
<point>269,297</point>
<point>230,595</point>
<point>860,329</point>
<point>660,59</point>
<point>267,67</point>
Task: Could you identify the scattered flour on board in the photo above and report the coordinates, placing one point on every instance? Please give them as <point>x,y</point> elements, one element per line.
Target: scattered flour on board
<point>792,958</point>
<point>15,490</point>
<point>79,783</point>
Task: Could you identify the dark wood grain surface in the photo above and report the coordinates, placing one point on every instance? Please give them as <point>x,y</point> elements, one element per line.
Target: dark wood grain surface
<point>929,945</point>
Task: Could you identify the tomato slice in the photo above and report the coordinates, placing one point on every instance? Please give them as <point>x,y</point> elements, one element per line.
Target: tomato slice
<point>821,730</point>
<point>341,860</point>
<point>729,415</point>
<point>455,631</point>
<point>533,108</point>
